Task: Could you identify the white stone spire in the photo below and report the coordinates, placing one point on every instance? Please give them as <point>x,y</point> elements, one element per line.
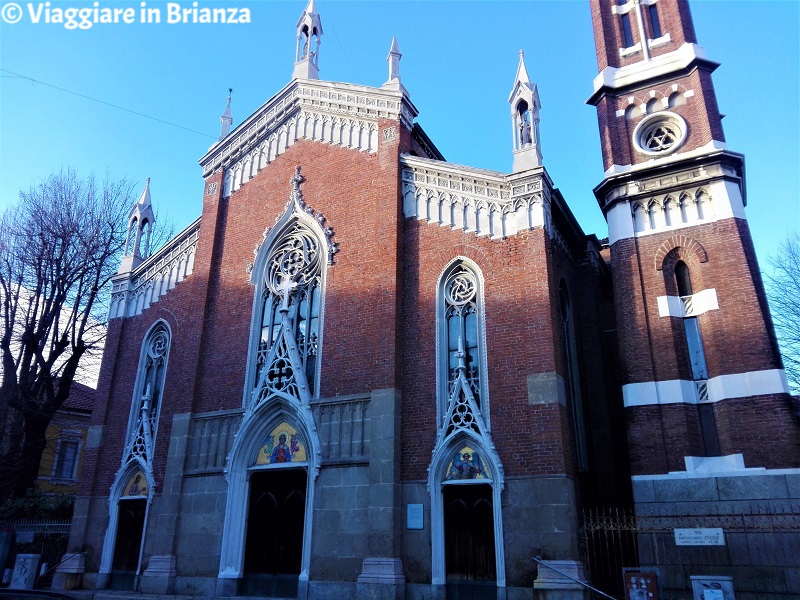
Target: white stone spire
<point>140,222</point>
<point>226,120</point>
<point>393,59</point>
<point>525,106</point>
<point>309,37</point>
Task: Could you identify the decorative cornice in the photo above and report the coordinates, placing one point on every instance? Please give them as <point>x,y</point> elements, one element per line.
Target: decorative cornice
<point>485,202</point>
<point>133,292</point>
<point>322,99</point>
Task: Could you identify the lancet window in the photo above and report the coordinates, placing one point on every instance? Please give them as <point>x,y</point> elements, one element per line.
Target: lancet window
<point>147,393</point>
<point>462,344</point>
<point>697,361</point>
<point>292,275</point>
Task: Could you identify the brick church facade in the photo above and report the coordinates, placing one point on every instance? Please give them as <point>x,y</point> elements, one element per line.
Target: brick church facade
<point>364,371</point>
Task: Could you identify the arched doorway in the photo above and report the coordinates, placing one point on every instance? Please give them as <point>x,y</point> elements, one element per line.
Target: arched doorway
<point>122,549</point>
<point>274,536</point>
<point>469,534</point>
<point>466,520</point>
<point>266,540</point>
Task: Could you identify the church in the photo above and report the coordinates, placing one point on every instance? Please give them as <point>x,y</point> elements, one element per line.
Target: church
<point>366,372</point>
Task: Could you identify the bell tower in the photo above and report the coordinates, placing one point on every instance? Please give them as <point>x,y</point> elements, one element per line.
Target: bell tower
<point>309,38</point>
<point>703,383</point>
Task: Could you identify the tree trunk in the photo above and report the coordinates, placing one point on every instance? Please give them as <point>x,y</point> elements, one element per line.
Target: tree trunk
<point>30,453</point>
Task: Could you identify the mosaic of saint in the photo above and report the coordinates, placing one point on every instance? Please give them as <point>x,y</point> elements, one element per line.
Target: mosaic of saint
<point>466,464</point>
<point>136,486</point>
<point>283,445</point>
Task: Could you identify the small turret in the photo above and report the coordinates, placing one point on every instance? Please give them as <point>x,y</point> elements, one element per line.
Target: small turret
<point>309,37</point>
<point>525,106</point>
<point>140,222</point>
<point>393,59</point>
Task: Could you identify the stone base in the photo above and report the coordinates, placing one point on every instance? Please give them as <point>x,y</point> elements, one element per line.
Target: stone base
<point>381,579</point>
<point>382,570</point>
<point>69,574</point>
<point>26,569</point>
<point>228,586</point>
<point>159,577</point>
<point>553,584</point>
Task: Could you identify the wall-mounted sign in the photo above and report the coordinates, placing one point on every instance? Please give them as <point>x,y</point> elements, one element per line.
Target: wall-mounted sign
<point>707,536</point>
<point>414,516</point>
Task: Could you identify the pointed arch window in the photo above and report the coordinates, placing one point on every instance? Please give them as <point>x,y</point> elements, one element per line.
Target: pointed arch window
<point>293,268</point>
<point>148,391</point>
<point>461,331</point>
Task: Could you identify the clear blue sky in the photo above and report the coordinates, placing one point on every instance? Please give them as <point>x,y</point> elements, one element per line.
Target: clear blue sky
<point>459,61</point>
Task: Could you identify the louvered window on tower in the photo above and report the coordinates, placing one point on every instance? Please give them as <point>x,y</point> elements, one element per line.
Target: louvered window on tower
<point>627,33</point>
<point>655,24</point>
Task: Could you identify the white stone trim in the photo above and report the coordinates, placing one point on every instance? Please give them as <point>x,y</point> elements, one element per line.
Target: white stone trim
<point>659,41</point>
<point>617,77</point>
<point>688,306</point>
<point>704,467</point>
<point>711,147</point>
<point>640,207</point>
<point>637,47</point>
<point>476,200</point>
<point>340,114</point>
<point>722,387</point>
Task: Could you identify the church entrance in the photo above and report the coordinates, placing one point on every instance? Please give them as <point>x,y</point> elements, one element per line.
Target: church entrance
<point>469,542</point>
<point>274,539</point>
<point>127,546</point>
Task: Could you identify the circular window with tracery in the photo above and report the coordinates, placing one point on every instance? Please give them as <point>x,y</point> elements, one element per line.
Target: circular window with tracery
<point>660,133</point>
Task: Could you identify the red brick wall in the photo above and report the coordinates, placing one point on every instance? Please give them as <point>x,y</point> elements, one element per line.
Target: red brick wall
<point>673,15</point>
<point>763,429</point>
<point>210,312</point>
<point>737,338</point>
<point>701,113</point>
<point>521,277</point>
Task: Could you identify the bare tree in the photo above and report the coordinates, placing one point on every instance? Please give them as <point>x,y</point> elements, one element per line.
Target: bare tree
<point>59,247</point>
<point>784,292</point>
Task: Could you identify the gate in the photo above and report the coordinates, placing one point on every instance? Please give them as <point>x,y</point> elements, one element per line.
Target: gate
<point>760,548</point>
<point>47,538</point>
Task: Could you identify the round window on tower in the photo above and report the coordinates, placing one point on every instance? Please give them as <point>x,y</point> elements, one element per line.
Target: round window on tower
<point>660,133</point>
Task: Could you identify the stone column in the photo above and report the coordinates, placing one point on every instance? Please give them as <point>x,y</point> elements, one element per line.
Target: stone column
<point>159,576</point>
<point>382,573</point>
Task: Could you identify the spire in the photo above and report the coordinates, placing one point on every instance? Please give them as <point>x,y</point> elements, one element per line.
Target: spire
<point>226,119</point>
<point>525,106</point>
<point>522,72</point>
<point>309,37</point>
<point>140,223</point>
<point>393,59</point>
<point>144,200</point>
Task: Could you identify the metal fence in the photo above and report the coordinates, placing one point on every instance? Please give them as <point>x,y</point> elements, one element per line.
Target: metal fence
<point>759,549</point>
<point>46,538</point>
